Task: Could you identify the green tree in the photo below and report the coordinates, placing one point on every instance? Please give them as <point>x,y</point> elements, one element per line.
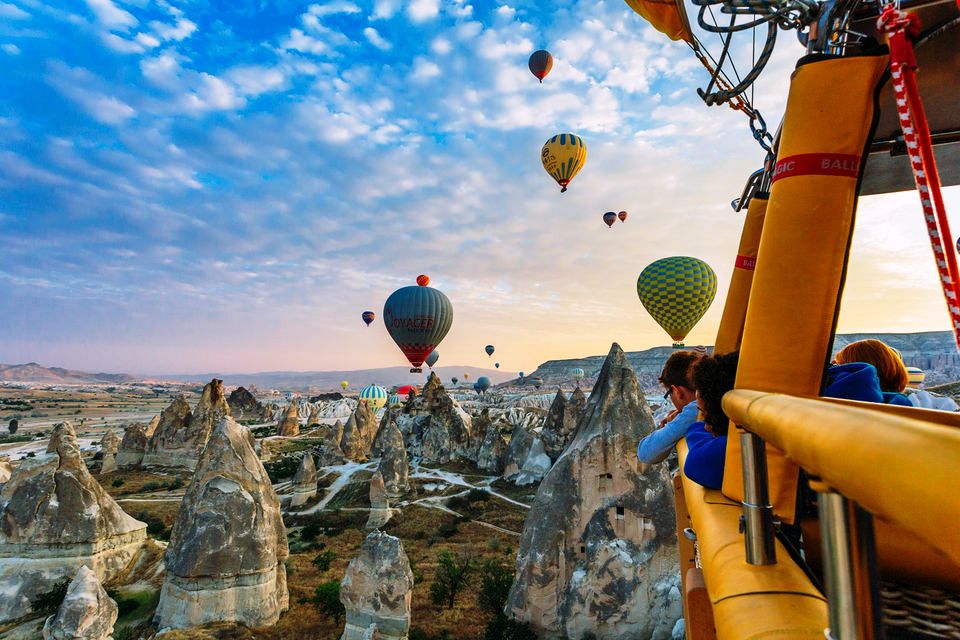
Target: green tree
<point>451,578</point>
<point>13,426</point>
<point>326,598</point>
<point>495,582</point>
<point>322,561</point>
<point>50,600</point>
<point>501,627</point>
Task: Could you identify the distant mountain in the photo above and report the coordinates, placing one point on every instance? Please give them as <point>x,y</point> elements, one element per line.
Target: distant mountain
<point>932,351</point>
<point>33,372</point>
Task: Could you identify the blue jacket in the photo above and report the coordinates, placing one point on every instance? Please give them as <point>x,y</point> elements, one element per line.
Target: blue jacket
<point>705,456</point>
<point>658,444</point>
<point>859,381</point>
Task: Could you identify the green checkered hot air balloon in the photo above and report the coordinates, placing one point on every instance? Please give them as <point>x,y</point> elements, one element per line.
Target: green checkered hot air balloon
<point>677,291</point>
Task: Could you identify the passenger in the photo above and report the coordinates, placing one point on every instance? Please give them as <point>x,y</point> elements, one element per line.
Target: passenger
<point>707,441</point>
<point>852,380</point>
<point>675,377</point>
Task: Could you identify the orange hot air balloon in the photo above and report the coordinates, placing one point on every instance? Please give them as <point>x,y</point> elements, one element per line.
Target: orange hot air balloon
<point>540,63</point>
<point>623,216</point>
<point>423,280</point>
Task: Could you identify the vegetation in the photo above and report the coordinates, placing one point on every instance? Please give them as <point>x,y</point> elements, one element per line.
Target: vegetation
<point>451,577</point>
<point>50,600</point>
<point>496,579</point>
<point>323,559</point>
<point>282,469</point>
<point>326,598</point>
<point>13,425</point>
<point>503,628</point>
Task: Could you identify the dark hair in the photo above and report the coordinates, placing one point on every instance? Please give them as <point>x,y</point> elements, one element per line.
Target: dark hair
<point>713,377</point>
<point>676,370</point>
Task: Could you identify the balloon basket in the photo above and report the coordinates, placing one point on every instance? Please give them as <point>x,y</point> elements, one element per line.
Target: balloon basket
<point>678,345</point>
<point>416,370</point>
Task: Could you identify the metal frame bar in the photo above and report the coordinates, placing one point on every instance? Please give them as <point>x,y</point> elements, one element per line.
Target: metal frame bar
<point>757,510</point>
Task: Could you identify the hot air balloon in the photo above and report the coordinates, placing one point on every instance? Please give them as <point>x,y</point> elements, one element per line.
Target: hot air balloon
<point>374,396</point>
<point>344,384</point>
<point>432,358</point>
<point>496,364</point>
<point>423,280</point>
<point>578,374</point>
<point>483,383</point>
<point>915,377</point>
<point>455,380</point>
<point>489,349</point>
<point>537,382</point>
<point>466,376</point>
<point>676,292</point>
<point>521,374</point>
<point>623,216</point>
<point>417,319</point>
<point>368,317</point>
<point>540,63</point>
<point>563,156</point>
<point>395,401</point>
<point>609,218</point>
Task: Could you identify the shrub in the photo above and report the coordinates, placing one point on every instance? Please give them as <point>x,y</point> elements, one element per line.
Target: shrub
<point>477,495</point>
<point>326,598</point>
<point>446,530</point>
<point>451,578</point>
<point>419,634</point>
<point>503,628</point>
<point>124,605</point>
<point>118,482</point>
<point>176,483</point>
<point>152,486</point>
<point>323,559</point>
<point>283,468</point>
<point>13,425</point>
<point>495,582</point>
<point>52,599</point>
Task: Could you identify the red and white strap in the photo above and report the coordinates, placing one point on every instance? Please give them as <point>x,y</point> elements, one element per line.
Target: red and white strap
<point>899,27</point>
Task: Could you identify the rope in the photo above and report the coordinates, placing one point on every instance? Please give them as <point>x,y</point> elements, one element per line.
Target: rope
<point>899,27</point>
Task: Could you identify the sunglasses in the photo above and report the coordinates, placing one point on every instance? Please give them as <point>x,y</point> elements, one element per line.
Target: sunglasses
<point>666,396</point>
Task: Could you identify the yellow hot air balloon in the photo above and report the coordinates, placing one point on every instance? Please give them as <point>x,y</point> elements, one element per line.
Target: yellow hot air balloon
<point>344,384</point>
<point>677,291</point>
<point>563,156</point>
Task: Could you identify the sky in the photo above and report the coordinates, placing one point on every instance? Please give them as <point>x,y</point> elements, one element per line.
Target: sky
<point>190,185</point>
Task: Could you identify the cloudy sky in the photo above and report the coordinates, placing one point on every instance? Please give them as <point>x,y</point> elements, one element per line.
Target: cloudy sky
<point>191,185</point>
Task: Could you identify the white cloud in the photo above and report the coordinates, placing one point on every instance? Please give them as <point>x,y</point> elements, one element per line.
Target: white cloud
<point>376,39</point>
<point>384,9</point>
<point>256,80</point>
<point>507,12</point>
<point>441,46</point>
<point>13,12</point>
<point>10,49</point>
<point>178,31</point>
<point>299,41</point>
<point>81,86</point>
<point>112,16</point>
<point>212,94</point>
<point>333,8</point>
<point>147,40</point>
<point>120,44</point>
<point>423,70</point>
<point>423,10</point>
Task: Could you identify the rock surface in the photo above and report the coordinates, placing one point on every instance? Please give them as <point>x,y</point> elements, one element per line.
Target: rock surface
<point>304,481</point>
<point>182,434</point>
<point>376,590</point>
<point>559,425</point>
<point>598,552</point>
<point>225,561</point>
<point>6,470</point>
<point>133,445</point>
<point>87,612</point>
<point>314,418</point>
<point>109,445</point>
<point>366,420</point>
<point>394,465</point>
<point>245,406</point>
<point>352,443</point>
<point>289,425</point>
<point>434,425</point>
<point>55,517</point>
<point>526,461</point>
<point>492,454</point>
<point>380,512</point>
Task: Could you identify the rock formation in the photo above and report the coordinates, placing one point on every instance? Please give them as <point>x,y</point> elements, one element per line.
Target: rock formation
<point>376,590</point>
<point>492,454</point>
<point>87,613</point>
<point>290,423</point>
<point>181,434</point>
<point>54,517</point>
<point>598,552</point>
<point>366,421</point>
<point>245,406</point>
<point>394,465</point>
<point>314,419</point>
<point>479,426</point>
<point>578,400</point>
<point>352,444</point>
<point>6,470</point>
<point>380,512</point>
<point>225,561</point>
<point>109,445</point>
<point>559,425</point>
<point>434,425</point>
<point>526,461</point>
<point>336,432</point>
<point>304,481</point>
<point>134,444</point>
<point>61,431</point>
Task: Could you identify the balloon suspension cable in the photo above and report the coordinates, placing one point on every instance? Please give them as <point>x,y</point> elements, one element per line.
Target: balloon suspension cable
<point>900,27</point>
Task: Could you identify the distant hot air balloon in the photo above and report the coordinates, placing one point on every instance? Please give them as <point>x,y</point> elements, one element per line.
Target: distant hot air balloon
<point>483,383</point>
<point>417,319</point>
<point>466,376</point>
<point>609,218</point>
<point>455,380</point>
<point>432,358</point>
<point>623,216</point>
<point>423,280</point>
<point>540,63</point>
<point>915,377</point>
<point>395,401</point>
<point>368,317</point>
<point>578,374</point>
<point>489,349</point>
<point>537,382</point>
<point>344,384</point>
<point>563,156</point>
<point>676,292</point>
<point>374,396</point>
<point>521,374</point>
<point>496,364</point>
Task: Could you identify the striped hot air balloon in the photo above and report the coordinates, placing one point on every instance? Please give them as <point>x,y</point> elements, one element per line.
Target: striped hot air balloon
<point>395,401</point>
<point>563,156</point>
<point>374,396</point>
<point>417,319</point>
<point>676,292</point>
<point>915,377</point>
<point>578,374</point>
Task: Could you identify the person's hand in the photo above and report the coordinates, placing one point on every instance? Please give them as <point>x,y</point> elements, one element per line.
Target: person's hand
<point>670,416</point>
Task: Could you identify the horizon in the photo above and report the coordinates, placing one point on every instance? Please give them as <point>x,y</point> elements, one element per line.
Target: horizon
<point>214,187</point>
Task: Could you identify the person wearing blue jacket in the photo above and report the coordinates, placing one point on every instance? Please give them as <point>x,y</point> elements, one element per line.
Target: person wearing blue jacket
<point>675,377</point>
<point>859,381</point>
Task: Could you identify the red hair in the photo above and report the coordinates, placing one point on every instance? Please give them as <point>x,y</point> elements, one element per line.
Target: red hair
<point>889,365</point>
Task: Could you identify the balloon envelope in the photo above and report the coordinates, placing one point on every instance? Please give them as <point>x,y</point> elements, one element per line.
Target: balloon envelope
<point>417,318</point>
<point>496,364</point>
<point>623,216</point>
<point>374,396</point>
<point>676,292</point>
<point>423,280</point>
<point>466,376</point>
<point>540,63</point>
<point>455,380</point>
<point>368,317</point>
<point>344,384</point>
<point>578,374</point>
<point>609,218</point>
<point>432,358</point>
<point>489,349</point>
<point>563,156</point>
<point>483,383</point>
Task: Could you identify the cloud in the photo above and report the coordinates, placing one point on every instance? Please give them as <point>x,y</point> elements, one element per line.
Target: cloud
<point>179,30</point>
<point>384,9</point>
<point>423,10</point>
<point>424,70</point>
<point>376,39</point>
<point>333,8</point>
<point>256,80</point>
<point>79,85</point>
<point>112,16</point>
<point>12,12</point>
<point>10,49</point>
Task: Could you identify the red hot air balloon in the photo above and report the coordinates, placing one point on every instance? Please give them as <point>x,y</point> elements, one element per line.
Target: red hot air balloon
<point>540,63</point>
<point>623,216</point>
<point>610,217</point>
<point>368,317</point>
<point>423,280</point>
<point>417,318</point>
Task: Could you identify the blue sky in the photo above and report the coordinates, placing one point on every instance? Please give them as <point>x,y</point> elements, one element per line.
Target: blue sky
<point>193,185</point>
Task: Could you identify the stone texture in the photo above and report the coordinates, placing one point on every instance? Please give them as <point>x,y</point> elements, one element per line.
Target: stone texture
<point>598,551</point>
<point>109,445</point>
<point>55,517</point>
<point>352,444</point>
<point>376,590</point>
<point>6,470</point>
<point>181,434</point>
<point>559,425</point>
<point>225,561</point>
<point>87,612</point>
<point>314,418</point>
<point>394,465</point>
<point>61,431</point>
<point>526,460</point>
<point>434,425</point>
<point>304,481</point>
<point>289,425</point>
<point>366,420</point>
<point>245,406</point>
<point>380,512</point>
<point>492,454</point>
<point>133,445</point>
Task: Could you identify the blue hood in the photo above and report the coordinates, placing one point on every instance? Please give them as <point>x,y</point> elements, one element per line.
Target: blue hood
<point>854,381</point>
